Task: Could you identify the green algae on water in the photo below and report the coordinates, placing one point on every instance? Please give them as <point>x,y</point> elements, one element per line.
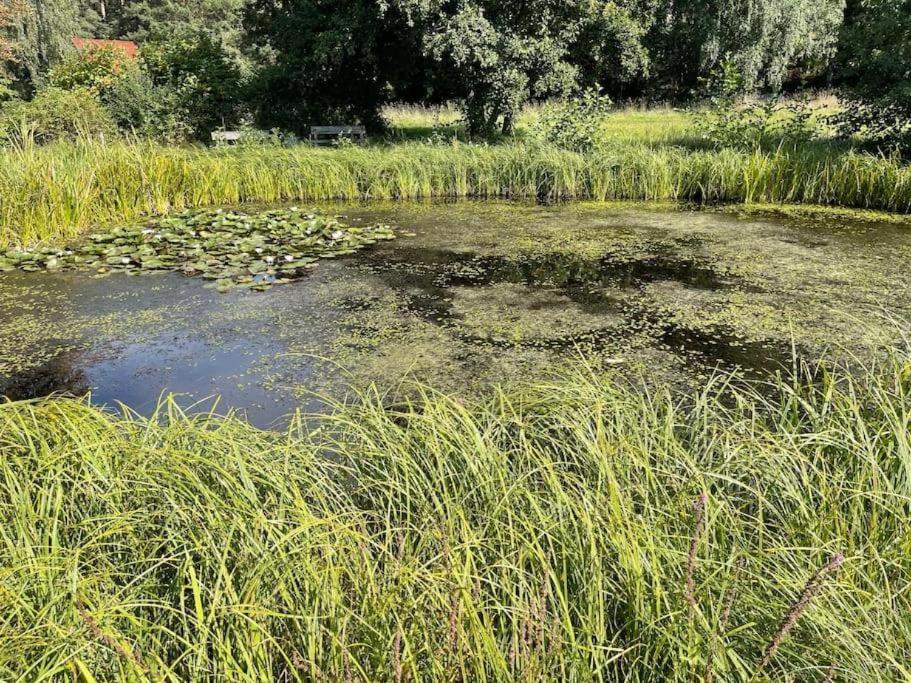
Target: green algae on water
<point>231,248</point>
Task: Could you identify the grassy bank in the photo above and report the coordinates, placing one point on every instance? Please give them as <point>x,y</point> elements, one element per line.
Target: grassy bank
<point>58,191</point>
<point>575,531</point>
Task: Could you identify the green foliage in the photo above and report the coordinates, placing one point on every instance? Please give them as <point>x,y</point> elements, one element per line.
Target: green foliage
<point>875,65</point>
<point>43,37</point>
<point>6,91</point>
<point>145,20</point>
<point>135,103</point>
<point>56,114</point>
<point>201,81</point>
<point>503,54</point>
<point>613,48</point>
<point>575,124</point>
<point>334,61</point>
<point>142,108</point>
<point>96,69</point>
<point>769,123</point>
<point>576,530</point>
<point>762,39</point>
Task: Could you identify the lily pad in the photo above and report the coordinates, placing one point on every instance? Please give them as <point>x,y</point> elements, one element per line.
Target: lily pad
<point>230,248</point>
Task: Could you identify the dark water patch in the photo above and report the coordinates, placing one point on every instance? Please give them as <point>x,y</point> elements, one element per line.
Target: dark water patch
<point>722,348</point>
<point>62,374</point>
<point>427,278</point>
<point>444,269</point>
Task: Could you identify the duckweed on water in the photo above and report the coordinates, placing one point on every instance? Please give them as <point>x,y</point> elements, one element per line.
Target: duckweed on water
<point>232,248</point>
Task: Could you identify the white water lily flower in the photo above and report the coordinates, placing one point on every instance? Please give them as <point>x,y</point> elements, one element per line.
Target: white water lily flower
<point>125,260</point>
<point>269,259</point>
<point>289,258</point>
<point>337,235</point>
<point>258,250</point>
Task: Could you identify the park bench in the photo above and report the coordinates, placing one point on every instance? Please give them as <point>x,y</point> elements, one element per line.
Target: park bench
<point>228,137</point>
<point>327,135</point>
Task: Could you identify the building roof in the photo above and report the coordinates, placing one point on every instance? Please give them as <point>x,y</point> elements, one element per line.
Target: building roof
<point>128,46</point>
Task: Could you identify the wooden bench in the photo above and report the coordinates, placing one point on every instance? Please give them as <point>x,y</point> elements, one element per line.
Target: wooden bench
<point>327,135</point>
<point>228,137</point>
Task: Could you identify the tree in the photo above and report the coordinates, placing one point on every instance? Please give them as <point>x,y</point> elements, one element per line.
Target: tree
<point>874,64</point>
<point>41,37</point>
<point>331,61</point>
<point>145,20</point>
<point>12,13</point>
<point>504,52</point>
<point>612,51</point>
<point>760,39</point>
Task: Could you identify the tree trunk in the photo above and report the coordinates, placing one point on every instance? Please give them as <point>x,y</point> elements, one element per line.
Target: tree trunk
<point>508,124</point>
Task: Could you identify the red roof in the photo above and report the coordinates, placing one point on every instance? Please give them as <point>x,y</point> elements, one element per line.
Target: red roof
<point>128,46</point>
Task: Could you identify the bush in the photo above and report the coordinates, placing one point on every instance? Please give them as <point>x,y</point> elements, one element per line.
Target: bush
<point>128,93</point>
<point>574,124</point>
<point>202,82</point>
<point>874,67</point>
<point>56,114</point>
<point>767,124</point>
<point>141,108</point>
<point>97,70</point>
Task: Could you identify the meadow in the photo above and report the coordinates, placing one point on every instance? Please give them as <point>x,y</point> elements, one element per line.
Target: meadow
<point>578,529</point>
<point>55,192</point>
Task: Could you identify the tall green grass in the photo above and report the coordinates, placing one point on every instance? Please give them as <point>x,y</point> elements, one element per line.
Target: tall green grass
<point>547,534</point>
<point>56,192</point>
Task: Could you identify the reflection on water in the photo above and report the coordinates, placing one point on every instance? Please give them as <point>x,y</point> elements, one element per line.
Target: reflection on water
<point>474,294</point>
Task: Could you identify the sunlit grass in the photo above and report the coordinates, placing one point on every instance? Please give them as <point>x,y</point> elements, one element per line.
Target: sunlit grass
<point>56,192</point>
<point>628,124</point>
<point>546,534</point>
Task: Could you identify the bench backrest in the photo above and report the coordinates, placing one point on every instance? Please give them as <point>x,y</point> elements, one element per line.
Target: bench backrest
<point>226,135</point>
<point>338,130</point>
<point>326,135</point>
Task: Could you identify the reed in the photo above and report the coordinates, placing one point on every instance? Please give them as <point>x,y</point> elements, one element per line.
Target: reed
<point>545,534</point>
<point>49,194</point>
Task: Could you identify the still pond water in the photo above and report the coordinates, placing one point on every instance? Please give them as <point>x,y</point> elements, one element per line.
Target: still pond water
<point>468,295</point>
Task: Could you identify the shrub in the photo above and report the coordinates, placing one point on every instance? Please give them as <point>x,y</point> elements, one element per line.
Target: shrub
<point>574,124</point>
<point>56,114</point>
<point>202,81</point>
<point>128,93</point>
<point>141,108</point>
<point>97,69</point>
<point>768,123</point>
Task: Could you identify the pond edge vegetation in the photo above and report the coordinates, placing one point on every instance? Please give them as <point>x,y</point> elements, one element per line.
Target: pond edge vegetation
<point>58,191</point>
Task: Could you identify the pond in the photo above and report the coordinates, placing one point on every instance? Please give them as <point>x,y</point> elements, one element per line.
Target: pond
<point>471,294</point>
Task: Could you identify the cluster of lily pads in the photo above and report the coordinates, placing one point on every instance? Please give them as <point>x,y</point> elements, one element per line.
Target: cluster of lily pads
<point>231,248</point>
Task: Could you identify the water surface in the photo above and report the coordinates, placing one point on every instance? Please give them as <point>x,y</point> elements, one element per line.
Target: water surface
<point>468,295</point>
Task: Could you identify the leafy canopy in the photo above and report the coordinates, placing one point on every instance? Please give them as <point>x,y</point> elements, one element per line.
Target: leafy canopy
<point>503,53</point>
<point>875,63</point>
